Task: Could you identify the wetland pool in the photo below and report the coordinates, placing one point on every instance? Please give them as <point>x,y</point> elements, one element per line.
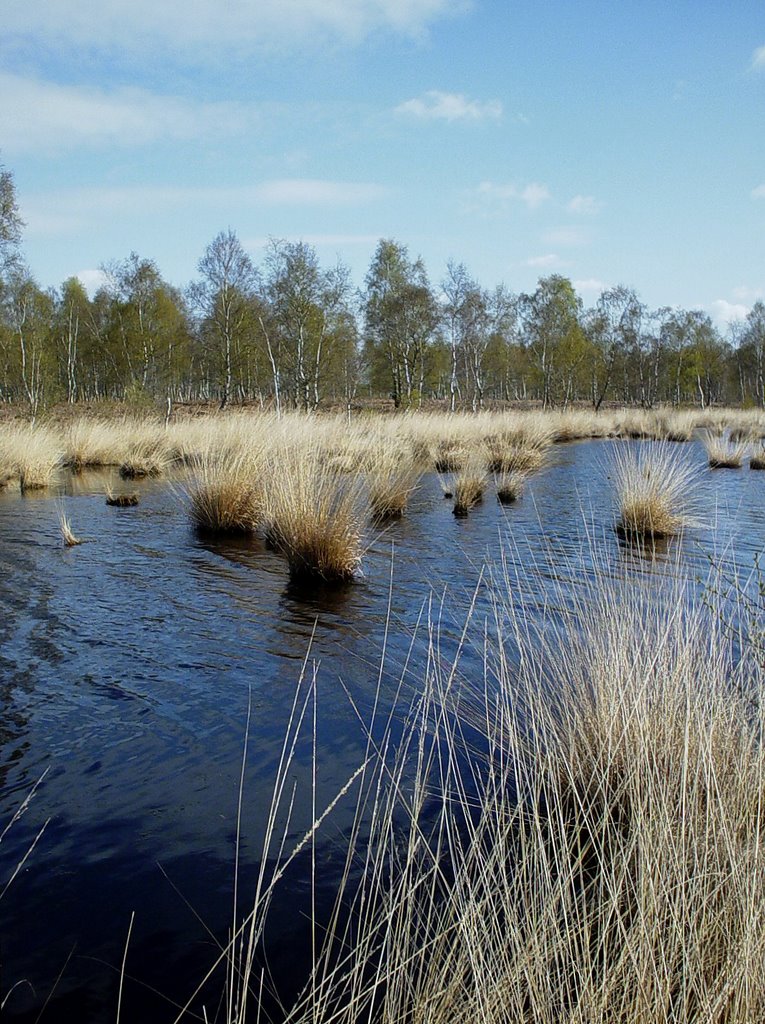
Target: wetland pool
<point>129,665</point>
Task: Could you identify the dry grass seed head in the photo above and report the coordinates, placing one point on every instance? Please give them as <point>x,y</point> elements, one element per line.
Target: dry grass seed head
<point>67,534</point>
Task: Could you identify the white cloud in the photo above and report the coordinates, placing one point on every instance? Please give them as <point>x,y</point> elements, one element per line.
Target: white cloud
<point>449,106</point>
<point>758,59</point>
<point>550,260</point>
<point>38,115</point>
<point>65,211</point>
<point>583,204</point>
<point>490,194</point>
<point>759,192</point>
<point>91,280</point>
<point>589,285</point>
<point>725,313</point>
<point>145,26</point>
<point>534,195</point>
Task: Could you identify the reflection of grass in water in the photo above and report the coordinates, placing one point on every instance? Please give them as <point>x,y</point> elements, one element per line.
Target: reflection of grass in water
<point>596,856</point>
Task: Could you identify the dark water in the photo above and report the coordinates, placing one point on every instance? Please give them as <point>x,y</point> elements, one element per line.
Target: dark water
<point>127,667</point>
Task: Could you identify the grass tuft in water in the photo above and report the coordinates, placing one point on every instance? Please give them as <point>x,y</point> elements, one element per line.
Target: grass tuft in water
<point>314,516</point>
<point>223,497</point>
<point>724,452</point>
<point>469,487</point>
<point>654,487</point>
<point>509,486</point>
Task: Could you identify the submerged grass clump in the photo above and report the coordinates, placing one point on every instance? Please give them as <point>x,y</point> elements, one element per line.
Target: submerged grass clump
<point>314,516</point>
<point>654,488</point>
<point>121,500</point>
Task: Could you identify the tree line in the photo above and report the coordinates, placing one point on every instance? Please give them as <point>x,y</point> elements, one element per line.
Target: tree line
<point>291,333</point>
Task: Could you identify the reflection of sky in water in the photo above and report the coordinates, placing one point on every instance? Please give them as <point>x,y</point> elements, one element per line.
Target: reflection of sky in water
<point>127,664</point>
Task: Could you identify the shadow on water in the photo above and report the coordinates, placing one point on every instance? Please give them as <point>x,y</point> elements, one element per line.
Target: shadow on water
<point>127,666</point>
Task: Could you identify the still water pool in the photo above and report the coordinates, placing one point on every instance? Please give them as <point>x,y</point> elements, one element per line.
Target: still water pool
<point>127,668</point>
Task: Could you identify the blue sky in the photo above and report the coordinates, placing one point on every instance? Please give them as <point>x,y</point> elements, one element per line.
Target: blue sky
<point>613,142</point>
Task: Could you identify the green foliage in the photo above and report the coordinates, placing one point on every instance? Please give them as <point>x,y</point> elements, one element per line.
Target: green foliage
<point>289,332</point>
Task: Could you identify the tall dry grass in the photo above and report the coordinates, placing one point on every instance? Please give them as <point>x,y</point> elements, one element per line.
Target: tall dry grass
<point>225,495</point>
<point>392,477</point>
<point>313,515</point>
<point>509,486</point>
<point>722,451</point>
<point>655,489</point>
<point>469,486</point>
<point>573,835</point>
<point>29,454</point>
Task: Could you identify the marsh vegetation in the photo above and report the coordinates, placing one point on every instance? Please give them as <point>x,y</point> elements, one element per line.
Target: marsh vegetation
<point>519,775</point>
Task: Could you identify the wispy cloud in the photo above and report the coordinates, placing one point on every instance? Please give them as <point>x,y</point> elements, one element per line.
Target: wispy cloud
<point>759,192</point>
<point>449,106</point>
<point>746,294</point>
<point>540,262</point>
<point>568,236</point>
<point>758,59</point>
<point>491,195</point>
<point>43,215</point>
<point>148,26</point>
<point>586,205</point>
<point>589,285</point>
<point>36,115</point>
